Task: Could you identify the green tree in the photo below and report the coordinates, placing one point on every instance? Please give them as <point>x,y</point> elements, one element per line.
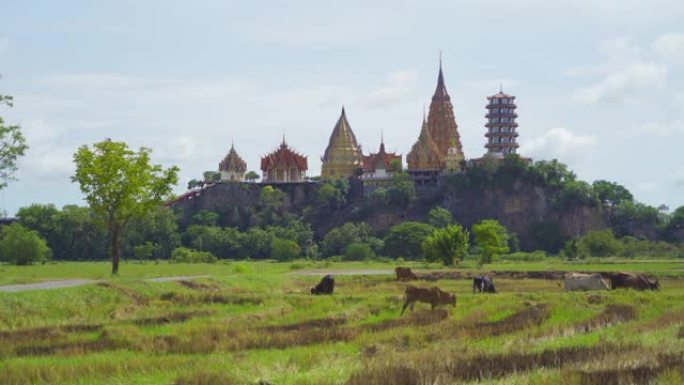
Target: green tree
<point>295,230</point>
<point>553,173</point>
<point>12,146</point>
<point>77,236</point>
<point>402,190</point>
<point>211,176</point>
<point>492,238</point>
<point>358,251</point>
<point>675,225</point>
<point>159,227</point>
<point>252,176</point>
<point>185,255</point>
<point>205,218</point>
<point>285,249</point>
<point>405,240</point>
<point>221,242</point>
<point>22,246</point>
<point>611,194</point>
<point>601,243</point>
<point>395,165</point>
<point>333,195</point>
<point>339,238</point>
<point>144,251</point>
<point>195,183</point>
<point>121,184</point>
<point>256,243</point>
<point>446,244</point>
<point>440,217</point>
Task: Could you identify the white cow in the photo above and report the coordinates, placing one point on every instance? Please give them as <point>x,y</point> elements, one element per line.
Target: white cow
<point>578,281</point>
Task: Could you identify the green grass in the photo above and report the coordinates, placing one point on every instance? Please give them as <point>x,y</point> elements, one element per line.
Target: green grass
<point>252,321</point>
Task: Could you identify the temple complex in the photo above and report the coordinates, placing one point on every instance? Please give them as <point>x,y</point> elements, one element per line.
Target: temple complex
<point>342,157</point>
<point>441,121</point>
<point>232,167</point>
<point>283,166</point>
<point>501,126</point>
<point>378,168</point>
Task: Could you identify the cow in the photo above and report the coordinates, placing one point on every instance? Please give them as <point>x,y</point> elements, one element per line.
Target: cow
<point>326,286</point>
<point>578,281</point>
<point>405,274</point>
<point>632,281</point>
<point>434,296</point>
<point>483,284</point>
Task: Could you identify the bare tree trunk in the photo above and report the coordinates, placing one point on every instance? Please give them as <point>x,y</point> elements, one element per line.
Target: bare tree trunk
<point>114,248</point>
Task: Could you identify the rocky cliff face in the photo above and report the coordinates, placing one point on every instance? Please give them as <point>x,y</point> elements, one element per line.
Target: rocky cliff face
<point>526,209</point>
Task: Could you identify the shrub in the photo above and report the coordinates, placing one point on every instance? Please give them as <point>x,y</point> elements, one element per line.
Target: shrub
<point>285,249</point>
<point>22,246</point>
<point>446,245</point>
<point>440,217</point>
<point>241,268</point>
<point>405,240</point>
<point>338,239</point>
<point>538,255</point>
<point>185,255</point>
<point>358,251</point>
<point>599,244</point>
<point>492,237</point>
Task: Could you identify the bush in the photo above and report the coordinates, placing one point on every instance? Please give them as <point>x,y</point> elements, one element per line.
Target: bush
<point>405,240</point>
<point>21,246</point>
<point>538,255</point>
<point>242,268</point>
<point>446,245</point>
<point>599,244</point>
<point>492,237</point>
<point>185,255</point>
<point>358,251</point>
<point>338,239</point>
<point>285,249</point>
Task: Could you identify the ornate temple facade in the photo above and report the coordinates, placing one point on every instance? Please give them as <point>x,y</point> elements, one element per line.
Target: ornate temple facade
<point>501,126</point>
<point>342,157</point>
<point>232,167</point>
<point>424,160</point>
<point>378,168</point>
<point>284,166</point>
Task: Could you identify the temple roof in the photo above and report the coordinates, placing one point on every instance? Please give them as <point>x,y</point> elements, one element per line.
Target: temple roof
<point>284,157</point>
<point>232,161</point>
<point>372,162</point>
<point>501,94</point>
<point>342,138</point>
<point>441,93</point>
<point>424,154</point>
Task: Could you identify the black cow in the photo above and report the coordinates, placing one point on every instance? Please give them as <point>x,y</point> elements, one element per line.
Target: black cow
<point>326,286</point>
<point>483,284</point>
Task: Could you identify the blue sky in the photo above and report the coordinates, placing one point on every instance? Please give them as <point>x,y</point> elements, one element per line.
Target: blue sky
<point>599,84</point>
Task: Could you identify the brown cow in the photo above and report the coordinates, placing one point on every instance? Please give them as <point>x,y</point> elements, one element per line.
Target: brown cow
<point>434,296</point>
<point>632,281</point>
<point>405,274</point>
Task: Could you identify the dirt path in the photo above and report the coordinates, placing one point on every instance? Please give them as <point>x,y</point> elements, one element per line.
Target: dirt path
<point>48,285</point>
<point>345,272</point>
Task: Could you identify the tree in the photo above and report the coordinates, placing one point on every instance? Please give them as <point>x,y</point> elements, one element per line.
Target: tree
<point>599,244</point>
<point>395,165</point>
<point>405,239</point>
<point>440,217</point>
<point>251,176</point>
<point>492,237</point>
<point>256,243</point>
<point>285,249</point>
<point>611,194</point>
<point>675,225</point>
<point>211,176</point>
<point>402,191</point>
<point>22,246</point>
<point>195,183</point>
<point>159,227</point>
<point>553,173</point>
<point>358,251</point>
<point>339,238</point>
<point>333,195</point>
<point>144,251</point>
<point>12,146</point>
<point>446,244</point>
<point>205,218</point>
<point>121,184</point>
<point>221,242</point>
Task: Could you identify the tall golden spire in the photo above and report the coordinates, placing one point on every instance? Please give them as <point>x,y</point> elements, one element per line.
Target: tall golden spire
<point>424,154</point>
<point>343,155</point>
<point>441,121</point>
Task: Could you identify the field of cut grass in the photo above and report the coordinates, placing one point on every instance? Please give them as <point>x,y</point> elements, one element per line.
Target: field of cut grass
<point>254,322</point>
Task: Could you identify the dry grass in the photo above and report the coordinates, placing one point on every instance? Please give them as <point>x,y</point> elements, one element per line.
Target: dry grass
<point>139,299</point>
<point>206,378</point>
<point>172,318</point>
<point>210,298</point>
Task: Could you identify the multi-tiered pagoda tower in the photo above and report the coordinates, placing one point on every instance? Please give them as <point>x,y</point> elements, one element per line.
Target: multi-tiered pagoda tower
<point>342,157</point>
<point>442,123</point>
<point>501,126</point>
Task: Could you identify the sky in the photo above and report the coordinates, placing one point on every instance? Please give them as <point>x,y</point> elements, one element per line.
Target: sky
<point>599,84</point>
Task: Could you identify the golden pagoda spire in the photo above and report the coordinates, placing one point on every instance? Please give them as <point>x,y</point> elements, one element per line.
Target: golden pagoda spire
<point>342,157</point>
<point>424,154</point>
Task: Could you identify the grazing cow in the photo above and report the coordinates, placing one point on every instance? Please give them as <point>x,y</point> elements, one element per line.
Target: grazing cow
<point>326,286</point>
<point>483,284</point>
<point>578,281</point>
<point>405,274</point>
<point>434,296</point>
<point>632,281</point>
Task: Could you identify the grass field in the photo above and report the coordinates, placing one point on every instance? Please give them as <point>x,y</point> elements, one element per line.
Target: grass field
<point>253,322</point>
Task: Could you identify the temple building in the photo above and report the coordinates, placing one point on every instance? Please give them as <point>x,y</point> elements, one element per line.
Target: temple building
<point>424,160</point>
<point>378,168</point>
<point>342,157</point>
<point>442,123</point>
<point>232,167</point>
<point>454,158</point>
<point>501,126</point>
<point>284,166</point>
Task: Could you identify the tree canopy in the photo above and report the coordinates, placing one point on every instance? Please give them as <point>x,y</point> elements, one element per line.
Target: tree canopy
<point>492,238</point>
<point>120,184</point>
<point>22,246</point>
<point>12,146</point>
<point>446,244</point>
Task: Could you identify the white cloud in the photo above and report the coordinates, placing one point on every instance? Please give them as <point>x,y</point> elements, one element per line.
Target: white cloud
<point>558,142</point>
<point>626,84</point>
<point>663,128</point>
<point>670,46</point>
<point>399,85</point>
<point>676,177</point>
